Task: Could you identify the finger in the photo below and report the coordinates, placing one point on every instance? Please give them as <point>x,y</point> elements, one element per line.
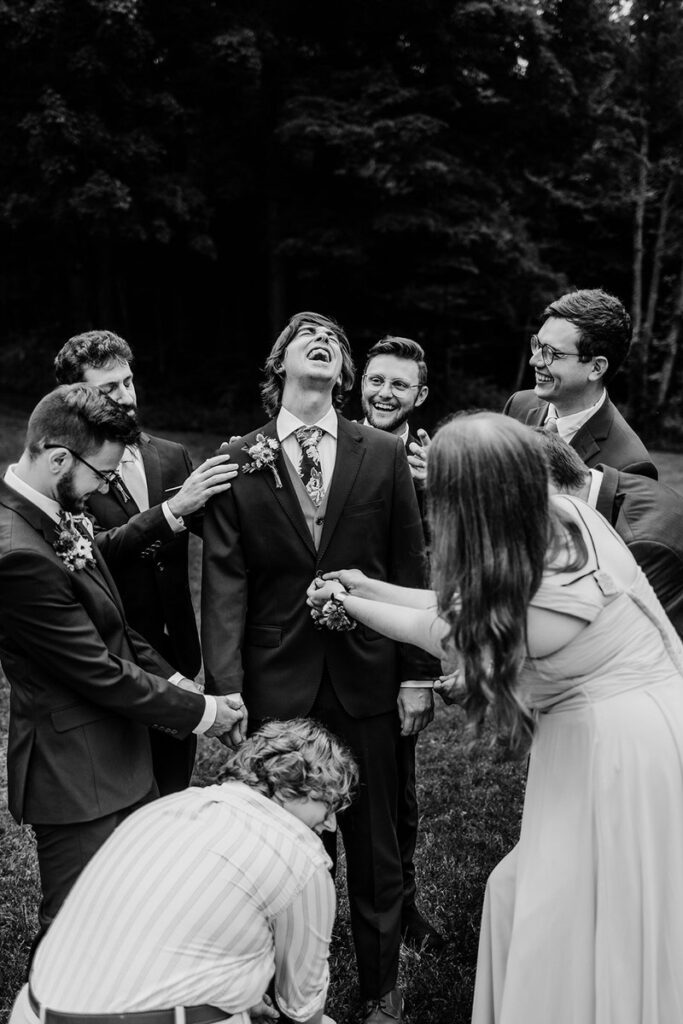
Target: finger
<point>214,460</point>
<point>336,575</point>
<point>424,436</point>
<point>217,473</point>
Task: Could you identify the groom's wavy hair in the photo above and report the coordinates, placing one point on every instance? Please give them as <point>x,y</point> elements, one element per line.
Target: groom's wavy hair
<point>273,373</point>
<point>79,417</point>
<point>295,760</point>
<point>494,532</point>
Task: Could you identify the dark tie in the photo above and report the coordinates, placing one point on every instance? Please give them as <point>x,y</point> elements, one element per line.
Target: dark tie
<point>310,470</point>
<point>118,483</point>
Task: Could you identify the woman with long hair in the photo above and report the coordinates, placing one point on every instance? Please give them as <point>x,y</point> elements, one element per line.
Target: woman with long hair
<point>553,634</point>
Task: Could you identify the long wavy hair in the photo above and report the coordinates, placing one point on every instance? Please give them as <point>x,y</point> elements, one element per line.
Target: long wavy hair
<point>295,759</point>
<point>273,373</point>
<point>493,532</point>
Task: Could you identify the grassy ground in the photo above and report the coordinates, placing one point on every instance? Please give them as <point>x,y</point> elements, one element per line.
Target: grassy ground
<point>470,809</point>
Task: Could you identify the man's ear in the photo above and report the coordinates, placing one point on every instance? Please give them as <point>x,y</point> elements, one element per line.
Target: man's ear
<point>599,365</point>
<point>421,395</point>
<point>58,459</point>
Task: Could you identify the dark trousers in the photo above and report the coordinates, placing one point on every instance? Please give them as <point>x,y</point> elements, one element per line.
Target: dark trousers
<point>368,828</point>
<point>63,851</point>
<point>408,816</point>
<point>172,761</point>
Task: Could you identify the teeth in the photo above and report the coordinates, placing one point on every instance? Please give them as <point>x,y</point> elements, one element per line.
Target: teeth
<point>319,354</point>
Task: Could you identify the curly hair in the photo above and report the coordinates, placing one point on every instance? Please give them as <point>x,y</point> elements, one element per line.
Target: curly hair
<point>273,382</point>
<point>295,759</point>
<point>494,532</point>
<point>93,348</point>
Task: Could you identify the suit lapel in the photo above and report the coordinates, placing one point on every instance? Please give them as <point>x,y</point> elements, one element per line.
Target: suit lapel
<point>350,454</point>
<point>42,524</point>
<point>587,438</point>
<point>286,495</point>
<point>535,416</point>
<point>152,464</point>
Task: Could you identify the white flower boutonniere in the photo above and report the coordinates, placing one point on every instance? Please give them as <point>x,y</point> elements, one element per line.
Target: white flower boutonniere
<point>72,546</point>
<point>263,455</point>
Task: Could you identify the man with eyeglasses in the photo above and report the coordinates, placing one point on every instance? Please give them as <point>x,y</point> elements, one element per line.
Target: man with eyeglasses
<point>580,346</point>
<point>393,386</point>
<point>85,688</point>
<point>143,521</point>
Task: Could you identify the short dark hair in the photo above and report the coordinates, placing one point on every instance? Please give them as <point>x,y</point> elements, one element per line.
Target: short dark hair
<point>402,348</point>
<point>273,383</point>
<point>80,417</point>
<point>603,323</point>
<point>566,467</point>
<point>93,348</point>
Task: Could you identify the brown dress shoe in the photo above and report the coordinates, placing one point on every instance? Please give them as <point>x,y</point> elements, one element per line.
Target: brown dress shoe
<point>388,1009</point>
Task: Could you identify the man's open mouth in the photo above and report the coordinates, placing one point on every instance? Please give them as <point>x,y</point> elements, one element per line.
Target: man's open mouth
<point>384,407</point>
<point>543,378</point>
<point>320,355</point>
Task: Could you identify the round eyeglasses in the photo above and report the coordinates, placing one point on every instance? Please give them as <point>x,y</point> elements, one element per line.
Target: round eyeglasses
<point>548,353</point>
<point>398,387</point>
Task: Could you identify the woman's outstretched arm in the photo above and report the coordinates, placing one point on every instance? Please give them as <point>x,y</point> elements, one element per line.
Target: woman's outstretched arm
<point>360,585</point>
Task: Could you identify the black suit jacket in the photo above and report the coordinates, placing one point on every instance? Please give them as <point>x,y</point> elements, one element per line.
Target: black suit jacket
<point>648,516</point>
<point>606,437</point>
<point>148,560</point>
<point>259,559</point>
<point>84,687</point>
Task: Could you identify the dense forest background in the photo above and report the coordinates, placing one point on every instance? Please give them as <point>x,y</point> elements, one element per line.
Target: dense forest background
<point>191,172</point>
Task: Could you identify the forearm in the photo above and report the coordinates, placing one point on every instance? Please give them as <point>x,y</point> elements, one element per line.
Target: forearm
<point>391,593</point>
<point>421,627</point>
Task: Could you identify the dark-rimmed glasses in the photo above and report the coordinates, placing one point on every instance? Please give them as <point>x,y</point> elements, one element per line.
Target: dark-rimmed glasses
<point>548,353</point>
<point>107,476</point>
<point>398,387</point>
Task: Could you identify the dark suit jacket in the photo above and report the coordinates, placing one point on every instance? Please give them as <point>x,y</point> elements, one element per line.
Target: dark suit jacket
<point>648,516</point>
<point>606,437</point>
<point>259,559</point>
<point>84,687</point>
<point>148,560</point>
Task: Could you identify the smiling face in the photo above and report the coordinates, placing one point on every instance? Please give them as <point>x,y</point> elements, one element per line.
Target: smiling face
<point>385,406</point>
<point>77,480</point>
<point>571,385</point>
<point>313,357</point>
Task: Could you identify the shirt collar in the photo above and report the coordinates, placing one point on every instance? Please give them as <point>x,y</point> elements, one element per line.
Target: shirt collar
<point>47,505</point>
<point>570,424</point>
<point>287,423</point>
<point>131,453</point>
<point>594,489</point>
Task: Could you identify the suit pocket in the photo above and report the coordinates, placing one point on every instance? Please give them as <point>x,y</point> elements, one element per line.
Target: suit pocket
<point>364,509</point>
<point>77,714</point>
<point>263,636</point>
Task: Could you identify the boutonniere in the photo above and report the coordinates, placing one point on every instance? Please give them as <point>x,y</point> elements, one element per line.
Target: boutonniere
<point>72,546</point>
<point>263,455</point>
<point>334,616</point>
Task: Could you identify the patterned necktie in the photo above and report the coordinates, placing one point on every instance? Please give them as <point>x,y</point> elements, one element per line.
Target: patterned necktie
<point>310,469</point>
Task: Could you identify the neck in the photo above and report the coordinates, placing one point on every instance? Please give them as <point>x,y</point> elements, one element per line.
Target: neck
<point>577,403</point>
<point>30,473</point>
<point>583,490</point>
<point>307,405</point>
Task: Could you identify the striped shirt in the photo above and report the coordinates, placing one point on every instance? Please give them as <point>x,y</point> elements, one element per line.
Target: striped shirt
<point>200,897</point>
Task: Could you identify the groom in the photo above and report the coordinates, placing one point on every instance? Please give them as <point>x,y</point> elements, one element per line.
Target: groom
<point>315,492</point>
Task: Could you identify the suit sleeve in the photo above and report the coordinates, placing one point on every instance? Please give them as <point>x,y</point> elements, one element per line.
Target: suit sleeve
<point>120,544</point>
<point>647,469</point>
<point>46,619</point>
<point>224,596</point>
<point>507,408</point>
<point>408,560</point>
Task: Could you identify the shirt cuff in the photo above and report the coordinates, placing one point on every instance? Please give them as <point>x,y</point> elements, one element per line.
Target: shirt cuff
<point>177,523</point>
<point>209,716</point>
<point>417,684</point>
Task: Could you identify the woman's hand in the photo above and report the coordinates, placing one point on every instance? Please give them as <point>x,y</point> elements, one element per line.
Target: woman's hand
<point>353,581</point>
<point>321,590</point>
<point>451,688</point>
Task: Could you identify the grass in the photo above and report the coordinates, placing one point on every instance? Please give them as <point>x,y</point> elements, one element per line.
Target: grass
<point>470,810</point>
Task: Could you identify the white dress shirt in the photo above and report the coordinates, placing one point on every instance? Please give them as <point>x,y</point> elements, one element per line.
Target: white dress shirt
<point>52,509</point>
<point>286,426</point>
<point>568,426</point>
<point>131,469</point>
<point>200,897</point>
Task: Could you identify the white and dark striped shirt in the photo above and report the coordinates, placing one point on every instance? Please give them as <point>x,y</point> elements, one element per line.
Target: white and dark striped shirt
<point>200,897</point>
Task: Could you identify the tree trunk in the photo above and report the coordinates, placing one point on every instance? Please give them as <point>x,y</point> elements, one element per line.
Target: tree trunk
<point>638,365</point>
<point>670,345</point>
<point>276,276</point>
<point>657,257</point>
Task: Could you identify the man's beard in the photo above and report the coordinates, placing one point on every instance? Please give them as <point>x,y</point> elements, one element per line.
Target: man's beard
<point>399,417</point>
<point>66,495</point>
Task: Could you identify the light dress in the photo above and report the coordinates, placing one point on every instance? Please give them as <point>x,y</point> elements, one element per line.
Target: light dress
<point>583,920</point>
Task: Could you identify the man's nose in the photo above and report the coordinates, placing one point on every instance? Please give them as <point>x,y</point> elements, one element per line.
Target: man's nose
<point>536,359</point>
<point>330,823</point>
<point>104,487</point>
<point>386,390</point>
